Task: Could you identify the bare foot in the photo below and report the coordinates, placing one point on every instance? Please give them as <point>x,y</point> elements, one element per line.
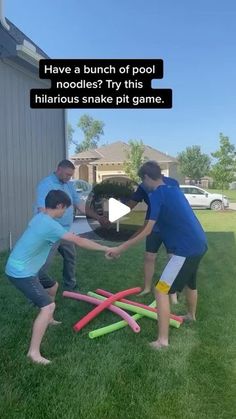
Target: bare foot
<point>157,345</point>
<point>54,322</point>
<point>188,318</point>
<point>173,299</point>
<point>38,359</point>
<point>144,292</point>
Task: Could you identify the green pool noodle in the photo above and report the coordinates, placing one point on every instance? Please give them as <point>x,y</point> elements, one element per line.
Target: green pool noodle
<point>115,326</point>
<point>135,309</point>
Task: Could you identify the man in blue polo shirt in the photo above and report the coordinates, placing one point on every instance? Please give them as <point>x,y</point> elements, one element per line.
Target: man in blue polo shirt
<point>184,238</point>
<point>60,180</point>
<point>154,240</point>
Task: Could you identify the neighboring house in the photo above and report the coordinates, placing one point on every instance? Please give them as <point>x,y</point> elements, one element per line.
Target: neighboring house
<point>32,141</point>
<point>105,162</point>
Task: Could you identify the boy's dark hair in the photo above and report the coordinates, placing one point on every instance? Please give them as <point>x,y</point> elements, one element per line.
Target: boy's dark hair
<point>151,169</point>
<point>66,164</point>
<point>56,197</point>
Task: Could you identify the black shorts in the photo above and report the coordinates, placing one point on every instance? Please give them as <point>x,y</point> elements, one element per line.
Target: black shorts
<point>179,272</point>
<point>153,242</point>
<point>33,289</point>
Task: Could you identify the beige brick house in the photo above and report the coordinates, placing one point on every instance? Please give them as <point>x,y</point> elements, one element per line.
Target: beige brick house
<point>105,162</point>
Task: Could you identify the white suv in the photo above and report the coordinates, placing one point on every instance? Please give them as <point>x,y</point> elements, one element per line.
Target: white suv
<point>199,198</point>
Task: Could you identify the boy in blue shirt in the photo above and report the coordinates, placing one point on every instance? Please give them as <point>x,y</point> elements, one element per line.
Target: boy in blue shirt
<point>154,240</point>
<point>184,238</point>
<point>29,255</point>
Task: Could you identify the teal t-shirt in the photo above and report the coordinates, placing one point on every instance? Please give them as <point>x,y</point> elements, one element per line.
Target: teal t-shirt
<point>32,249</point>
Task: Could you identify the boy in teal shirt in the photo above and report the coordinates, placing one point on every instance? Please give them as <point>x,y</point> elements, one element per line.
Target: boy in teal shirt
<point>29,255</point>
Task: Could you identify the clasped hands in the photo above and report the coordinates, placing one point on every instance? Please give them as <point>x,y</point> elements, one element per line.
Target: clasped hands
<point>104,221</point>
<point>113,252</point>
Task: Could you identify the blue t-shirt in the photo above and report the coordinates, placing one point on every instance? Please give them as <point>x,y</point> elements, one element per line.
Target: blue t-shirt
<point>52,182</point>
<point>32,249</point>
<point>180,229</point>
<point>142,194</point>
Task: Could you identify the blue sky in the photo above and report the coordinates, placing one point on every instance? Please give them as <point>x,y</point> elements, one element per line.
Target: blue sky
<point>196,40</point>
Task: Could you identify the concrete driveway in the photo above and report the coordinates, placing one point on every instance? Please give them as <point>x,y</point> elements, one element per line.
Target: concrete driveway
<point>80,226</point>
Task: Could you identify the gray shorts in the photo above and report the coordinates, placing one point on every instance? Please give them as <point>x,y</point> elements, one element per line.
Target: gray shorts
<point>33,289</point>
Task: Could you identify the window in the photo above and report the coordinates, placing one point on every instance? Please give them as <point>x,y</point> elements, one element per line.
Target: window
<point>83,185</point>
<point>194,191</point>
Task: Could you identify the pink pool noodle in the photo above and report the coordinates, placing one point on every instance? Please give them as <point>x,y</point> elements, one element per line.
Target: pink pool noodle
<point>77,296</point>
<point>86,319</point>
<point>133,303</point>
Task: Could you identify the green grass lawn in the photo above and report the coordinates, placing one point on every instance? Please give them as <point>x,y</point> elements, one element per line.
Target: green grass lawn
<point>118,376</point>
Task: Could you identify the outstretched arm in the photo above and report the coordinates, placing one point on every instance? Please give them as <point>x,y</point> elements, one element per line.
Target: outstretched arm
<point>147,229</point>
<point>85,243</point>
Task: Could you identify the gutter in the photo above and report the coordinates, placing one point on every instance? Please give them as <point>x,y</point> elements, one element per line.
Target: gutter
<point>27,52</point>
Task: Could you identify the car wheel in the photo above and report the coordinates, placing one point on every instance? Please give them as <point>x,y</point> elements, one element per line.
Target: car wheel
<point>216,205</point>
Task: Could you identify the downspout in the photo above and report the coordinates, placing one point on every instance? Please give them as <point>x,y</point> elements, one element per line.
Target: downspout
<point>66,143</point>
<point>2,16</point>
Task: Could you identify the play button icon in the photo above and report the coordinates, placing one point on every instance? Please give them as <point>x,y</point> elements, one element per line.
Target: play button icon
<point>116,210</point>
<point>112,200</point>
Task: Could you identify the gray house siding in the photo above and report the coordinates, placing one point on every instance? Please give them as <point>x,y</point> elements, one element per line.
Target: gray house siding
<point>31,143</point>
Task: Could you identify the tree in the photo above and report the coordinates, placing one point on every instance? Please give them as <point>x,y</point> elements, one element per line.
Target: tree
<point>134,159</point>
<point>92,130</point>
<point>70,132</point>
<point>223,171</point>
<point>193,163</point>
